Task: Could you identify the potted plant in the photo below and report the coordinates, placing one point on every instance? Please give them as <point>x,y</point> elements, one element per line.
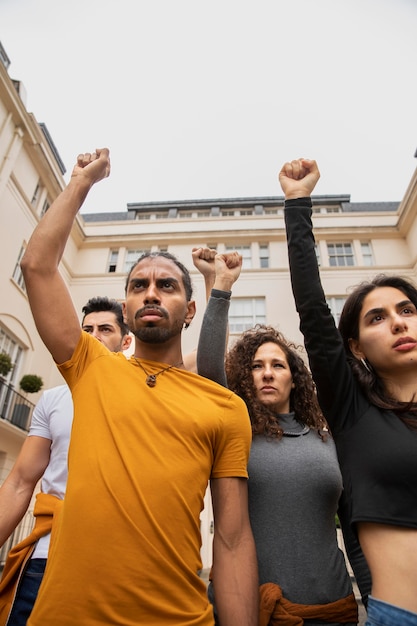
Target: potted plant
<point>29,383</point>
<point>5,364</point>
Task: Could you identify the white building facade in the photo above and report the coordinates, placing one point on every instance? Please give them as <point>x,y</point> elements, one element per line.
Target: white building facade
<point>355,241</point>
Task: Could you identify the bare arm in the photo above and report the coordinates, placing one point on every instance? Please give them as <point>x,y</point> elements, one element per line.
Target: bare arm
<point>235,571</point>
<point>18,488</point>
<point>50,301</point>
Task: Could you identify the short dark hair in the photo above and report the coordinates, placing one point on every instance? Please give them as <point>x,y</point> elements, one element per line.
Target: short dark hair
<point>186,278</point>
<point>102,303</point>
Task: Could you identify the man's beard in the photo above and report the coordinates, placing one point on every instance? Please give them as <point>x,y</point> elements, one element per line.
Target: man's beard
<point>154,334</point>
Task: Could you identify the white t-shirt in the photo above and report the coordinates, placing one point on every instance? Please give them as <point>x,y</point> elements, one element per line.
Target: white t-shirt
<point>52,419</point>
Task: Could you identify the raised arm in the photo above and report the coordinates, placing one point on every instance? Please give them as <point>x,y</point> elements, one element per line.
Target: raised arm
<point>203,260</point>
<point>52,308</point>
<point>298,178</point>
<point>220,271</point>
<point>323,342</point>
<point>213,338</point>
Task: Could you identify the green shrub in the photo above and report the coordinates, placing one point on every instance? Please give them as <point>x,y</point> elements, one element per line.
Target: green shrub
<point>5,364</point>
<point>30,383</point>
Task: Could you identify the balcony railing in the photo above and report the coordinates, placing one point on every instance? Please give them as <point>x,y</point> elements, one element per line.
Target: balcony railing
<point>14,407</point>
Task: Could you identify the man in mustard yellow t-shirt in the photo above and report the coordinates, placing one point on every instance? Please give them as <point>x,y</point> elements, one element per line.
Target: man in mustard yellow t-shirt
<point>147,437</point>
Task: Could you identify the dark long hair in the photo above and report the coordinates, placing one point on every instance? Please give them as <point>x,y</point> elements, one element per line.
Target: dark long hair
<point>303,400</point>
<point>370,383</point>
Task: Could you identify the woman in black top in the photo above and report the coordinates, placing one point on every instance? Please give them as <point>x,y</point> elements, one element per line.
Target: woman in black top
<point>366,378</point>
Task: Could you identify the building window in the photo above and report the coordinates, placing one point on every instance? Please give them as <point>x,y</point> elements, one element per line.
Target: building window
<point>227,212</point>
<point>340,254</point>
<point>192,215</point>
<point>246,253</point>
<point>264,255</point>
<point>200,214</point>
<point>10,346</point>
<point>367,256</point>
<point>327,209</point>
<point>45,207</point>
<point>17,272</point>
<point>132,256</point>
<point>245,313</point>
<point>36,194</point>
<point>335,304</point>
<point>317,251</point>
<point>112,264</point>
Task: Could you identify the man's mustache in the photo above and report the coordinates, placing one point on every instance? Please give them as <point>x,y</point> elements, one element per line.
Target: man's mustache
<point>151,307</point>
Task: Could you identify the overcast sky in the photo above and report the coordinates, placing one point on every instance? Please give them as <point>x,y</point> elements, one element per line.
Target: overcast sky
<point>208,99</point>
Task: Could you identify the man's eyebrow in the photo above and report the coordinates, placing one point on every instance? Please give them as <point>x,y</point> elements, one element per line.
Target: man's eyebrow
<point>168,279</point>
<point>160,280</point>
<point>103,325</point>
<point>138,279</point>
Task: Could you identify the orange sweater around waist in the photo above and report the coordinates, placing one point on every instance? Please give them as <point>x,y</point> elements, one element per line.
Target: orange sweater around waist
<point>46,507</point>
<point>275,610</point>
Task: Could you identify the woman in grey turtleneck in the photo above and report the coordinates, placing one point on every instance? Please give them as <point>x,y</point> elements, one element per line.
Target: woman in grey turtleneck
<point>294,477</point>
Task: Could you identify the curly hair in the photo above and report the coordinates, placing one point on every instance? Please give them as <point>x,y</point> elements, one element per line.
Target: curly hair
<point>371,384</point>
<point>303,399</point>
